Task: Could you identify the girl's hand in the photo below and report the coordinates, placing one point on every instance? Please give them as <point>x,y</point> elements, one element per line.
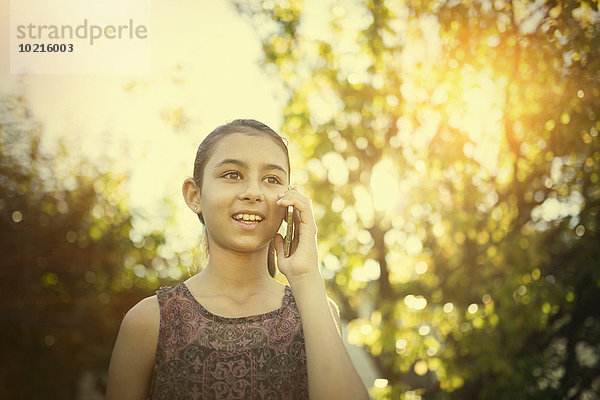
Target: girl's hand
<point>303,261</point>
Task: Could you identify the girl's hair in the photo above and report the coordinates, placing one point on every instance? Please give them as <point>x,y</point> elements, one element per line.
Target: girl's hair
<point>206,148</point>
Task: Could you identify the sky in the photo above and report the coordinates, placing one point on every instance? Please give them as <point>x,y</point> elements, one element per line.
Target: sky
<point>205,61</point>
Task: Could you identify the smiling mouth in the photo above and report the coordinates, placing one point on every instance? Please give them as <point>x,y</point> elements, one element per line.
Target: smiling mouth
<point>247,219</point>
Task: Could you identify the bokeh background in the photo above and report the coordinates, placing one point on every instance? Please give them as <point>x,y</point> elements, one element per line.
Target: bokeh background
<point>450,148</point>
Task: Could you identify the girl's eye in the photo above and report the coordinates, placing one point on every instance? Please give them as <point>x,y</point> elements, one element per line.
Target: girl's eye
<point>273,179</point>
<point>232,175</point>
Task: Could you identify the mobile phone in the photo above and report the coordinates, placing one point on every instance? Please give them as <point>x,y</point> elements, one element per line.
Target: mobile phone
<point>289,230</point>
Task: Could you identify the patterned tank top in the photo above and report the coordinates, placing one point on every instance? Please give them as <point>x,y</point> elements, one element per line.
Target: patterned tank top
<point>204,356</point>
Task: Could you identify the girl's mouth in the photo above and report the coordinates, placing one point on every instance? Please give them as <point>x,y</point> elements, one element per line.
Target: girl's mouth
<point>248,218</point>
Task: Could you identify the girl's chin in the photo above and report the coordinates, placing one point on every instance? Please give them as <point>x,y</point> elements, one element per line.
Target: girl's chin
<point>248,244</point>
<point>248,249</point>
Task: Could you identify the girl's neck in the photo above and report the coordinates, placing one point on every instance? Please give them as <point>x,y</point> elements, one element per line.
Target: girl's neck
<point>229,271</point>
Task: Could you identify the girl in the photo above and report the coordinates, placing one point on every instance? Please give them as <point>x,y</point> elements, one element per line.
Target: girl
<point>232,331</point>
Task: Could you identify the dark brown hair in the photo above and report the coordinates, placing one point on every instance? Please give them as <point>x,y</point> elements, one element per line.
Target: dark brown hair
<point>206,148</point>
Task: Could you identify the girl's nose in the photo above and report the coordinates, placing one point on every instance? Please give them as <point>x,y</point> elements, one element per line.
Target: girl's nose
<point>252,193</point>
<point>250,196</point>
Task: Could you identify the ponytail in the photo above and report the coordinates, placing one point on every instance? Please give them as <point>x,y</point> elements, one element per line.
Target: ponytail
<point>271,259</point>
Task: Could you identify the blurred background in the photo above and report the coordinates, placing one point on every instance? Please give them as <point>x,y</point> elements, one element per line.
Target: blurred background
<point>450,148</point>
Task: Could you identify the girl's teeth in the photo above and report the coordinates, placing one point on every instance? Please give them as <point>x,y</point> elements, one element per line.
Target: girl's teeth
<point>248,218</point>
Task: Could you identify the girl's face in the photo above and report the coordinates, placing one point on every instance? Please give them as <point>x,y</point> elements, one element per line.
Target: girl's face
<point>238,197</point>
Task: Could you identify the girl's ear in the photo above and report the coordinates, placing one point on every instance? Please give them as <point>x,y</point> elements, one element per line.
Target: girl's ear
<point>191,195</point>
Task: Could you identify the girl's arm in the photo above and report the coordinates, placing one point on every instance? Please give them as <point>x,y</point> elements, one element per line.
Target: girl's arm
<point>331,374</point>
<point>132,359</point>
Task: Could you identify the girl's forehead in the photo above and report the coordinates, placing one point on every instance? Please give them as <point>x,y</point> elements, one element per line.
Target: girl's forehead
<point>249,147</point>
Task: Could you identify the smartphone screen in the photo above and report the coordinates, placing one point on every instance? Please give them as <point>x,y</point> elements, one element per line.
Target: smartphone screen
<point>289,230</point>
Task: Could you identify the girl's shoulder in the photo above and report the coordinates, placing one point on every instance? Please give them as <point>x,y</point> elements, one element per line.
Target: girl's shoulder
<point>144,315</point>
<point>134,352</point>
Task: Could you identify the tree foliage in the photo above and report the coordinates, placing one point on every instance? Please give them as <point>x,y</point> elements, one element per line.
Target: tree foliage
<point>72,263</point>
<point>451,150</point>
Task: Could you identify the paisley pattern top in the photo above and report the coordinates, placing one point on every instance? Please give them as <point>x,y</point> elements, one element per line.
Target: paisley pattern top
<point>204,356</point>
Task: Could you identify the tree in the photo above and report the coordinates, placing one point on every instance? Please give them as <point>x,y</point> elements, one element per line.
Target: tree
<point>72,263</point>
<point>451,151</point>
